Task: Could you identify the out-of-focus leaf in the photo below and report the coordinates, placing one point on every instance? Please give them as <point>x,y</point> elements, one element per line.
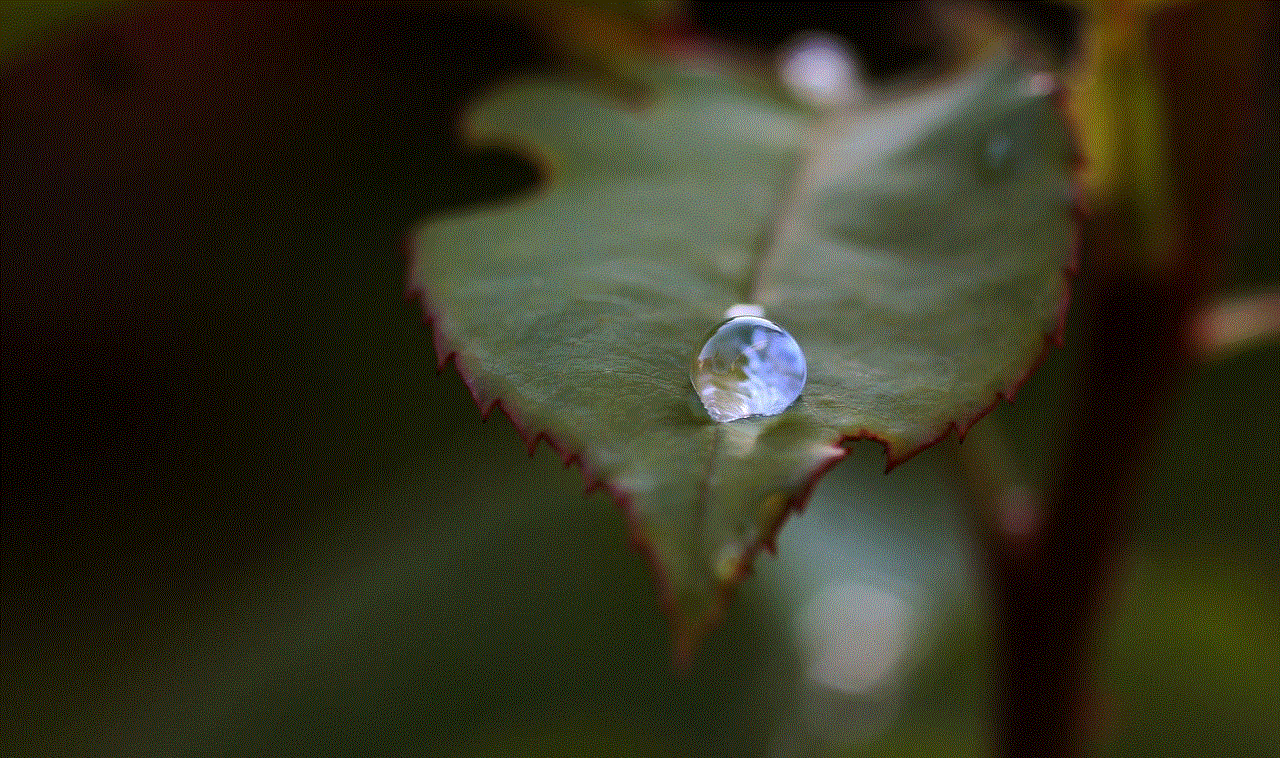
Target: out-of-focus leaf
<point>23,24</point>
<point>1116,100</point>
<point>606,34</point>
<point>916,250</point>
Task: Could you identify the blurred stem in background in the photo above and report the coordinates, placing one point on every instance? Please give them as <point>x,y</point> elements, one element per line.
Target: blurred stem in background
<point>1162,99</point>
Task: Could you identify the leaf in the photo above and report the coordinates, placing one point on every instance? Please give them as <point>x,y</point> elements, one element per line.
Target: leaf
<point>1117,102</point>
<point>920,278</point>
<point>24,25</point>
<point>606,35</point>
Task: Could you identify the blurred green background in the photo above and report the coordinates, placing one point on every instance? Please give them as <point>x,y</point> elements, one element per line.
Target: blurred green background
<point>244,515</point>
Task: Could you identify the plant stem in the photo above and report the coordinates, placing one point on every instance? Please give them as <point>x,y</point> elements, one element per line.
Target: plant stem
<point>1048,594</point>
<point>1049,591</point>
<point>1005,510</point>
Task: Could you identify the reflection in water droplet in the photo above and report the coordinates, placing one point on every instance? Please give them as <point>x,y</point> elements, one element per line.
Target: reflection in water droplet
<point>749,367</point>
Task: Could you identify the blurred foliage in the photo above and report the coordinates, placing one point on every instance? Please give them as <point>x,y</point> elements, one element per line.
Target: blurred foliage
<point>1118,108</point>
<point>603,35</point>
<point>241,514</point>
<point>24,24</point>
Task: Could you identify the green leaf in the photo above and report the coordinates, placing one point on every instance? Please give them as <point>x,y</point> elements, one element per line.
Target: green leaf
<point>915,250</point>
<point>23,25</point>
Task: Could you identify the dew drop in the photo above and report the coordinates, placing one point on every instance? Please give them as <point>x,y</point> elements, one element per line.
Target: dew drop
<point>995,152</point>
<point>749,366</point>
<point>1016,139</point>
<point>819,69</point>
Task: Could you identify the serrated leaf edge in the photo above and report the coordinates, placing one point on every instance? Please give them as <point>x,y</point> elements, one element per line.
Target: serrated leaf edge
<point>685,637</point>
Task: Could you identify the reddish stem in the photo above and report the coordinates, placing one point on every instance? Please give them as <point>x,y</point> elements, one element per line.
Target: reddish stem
<point>1049,592</point>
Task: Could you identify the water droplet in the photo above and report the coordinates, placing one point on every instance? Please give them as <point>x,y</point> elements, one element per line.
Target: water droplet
<point>1017,140</point>
<point>749,366</point>
<point>995,153</point>
<point>819,69</point>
